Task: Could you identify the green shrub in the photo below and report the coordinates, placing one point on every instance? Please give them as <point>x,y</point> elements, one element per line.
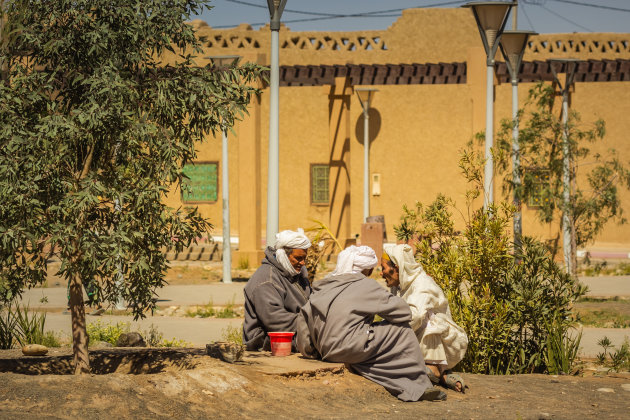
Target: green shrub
<point>30,326</point>
<point>108,333</point>
<point>173,342</point>
<point>19,326</point>
<point>616,360</point>
<point>209,311</point>
<point>514,303</point>
<point>8,330</point>
<point>232,334</point>
<point>51,339</point>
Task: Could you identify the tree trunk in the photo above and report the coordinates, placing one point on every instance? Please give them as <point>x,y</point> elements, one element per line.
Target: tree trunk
<point>79,331</point>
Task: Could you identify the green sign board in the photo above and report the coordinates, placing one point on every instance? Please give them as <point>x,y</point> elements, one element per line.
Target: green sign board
<point>202,184</point>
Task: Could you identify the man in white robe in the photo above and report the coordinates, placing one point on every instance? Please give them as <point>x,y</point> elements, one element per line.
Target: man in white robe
<point>442,341</point>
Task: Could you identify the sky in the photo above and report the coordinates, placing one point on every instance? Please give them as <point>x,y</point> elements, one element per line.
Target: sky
<point>543,16</point>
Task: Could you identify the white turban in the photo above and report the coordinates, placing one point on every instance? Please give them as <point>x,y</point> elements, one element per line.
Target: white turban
<point>291,240</point>
<point>355,259</point>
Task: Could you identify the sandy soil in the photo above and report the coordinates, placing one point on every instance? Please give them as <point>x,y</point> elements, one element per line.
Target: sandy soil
<point>188,384</point>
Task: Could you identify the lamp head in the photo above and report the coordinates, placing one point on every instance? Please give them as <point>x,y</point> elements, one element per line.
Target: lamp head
<point>365,95</point>
<point>513,44</point>
<point>491,17</point>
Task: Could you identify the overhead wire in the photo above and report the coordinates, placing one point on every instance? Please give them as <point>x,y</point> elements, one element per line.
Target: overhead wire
<point>522,9</point>
<point>324,16</point>
<point>596,6</point>
<point>565,18</point>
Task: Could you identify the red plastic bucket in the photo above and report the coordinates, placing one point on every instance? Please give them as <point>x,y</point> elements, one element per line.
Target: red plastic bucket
<point>280,343</point>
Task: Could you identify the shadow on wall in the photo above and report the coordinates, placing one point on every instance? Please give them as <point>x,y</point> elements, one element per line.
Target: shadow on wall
<point>374,125</point>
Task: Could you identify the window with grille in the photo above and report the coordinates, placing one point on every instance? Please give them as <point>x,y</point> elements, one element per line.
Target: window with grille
<point>539,195</point>
<point>319,184</point>
<point>201,186</point>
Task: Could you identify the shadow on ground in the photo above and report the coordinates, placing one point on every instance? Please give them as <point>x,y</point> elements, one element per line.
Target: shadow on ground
<point>116,360</point>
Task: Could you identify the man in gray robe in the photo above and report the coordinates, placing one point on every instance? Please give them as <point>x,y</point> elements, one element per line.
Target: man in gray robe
<point>337,325</point>
<point>277,290</point>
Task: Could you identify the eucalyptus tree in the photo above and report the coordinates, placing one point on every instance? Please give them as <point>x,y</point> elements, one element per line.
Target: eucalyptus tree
<point>595,177</point>
<point>102,103</point>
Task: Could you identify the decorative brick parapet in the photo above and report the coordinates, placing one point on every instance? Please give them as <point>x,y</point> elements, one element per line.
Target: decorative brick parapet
<point>587,71</point>
<point>443,73</point>
<point>578,45</point>
<point>376,74</point>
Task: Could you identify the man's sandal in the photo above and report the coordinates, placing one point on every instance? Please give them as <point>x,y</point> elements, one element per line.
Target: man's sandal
<point>434,379</point>
<point>450,380</point>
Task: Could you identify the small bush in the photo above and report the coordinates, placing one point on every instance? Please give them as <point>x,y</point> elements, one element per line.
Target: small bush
<point>209,311</point>
<point>243,263</point>
<point>51,339</point>
<point>616,360</point>
<point>108,333</point>
<point>30,326</point>
<point>232,334</point>
<point>8,330</point>
<point>513,301</point>
<point>173,342</point>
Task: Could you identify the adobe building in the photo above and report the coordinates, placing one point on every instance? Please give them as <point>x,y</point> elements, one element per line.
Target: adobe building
<point>429,69</point>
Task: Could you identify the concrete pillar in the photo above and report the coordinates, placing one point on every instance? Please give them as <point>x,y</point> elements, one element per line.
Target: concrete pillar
<point>339,177</point>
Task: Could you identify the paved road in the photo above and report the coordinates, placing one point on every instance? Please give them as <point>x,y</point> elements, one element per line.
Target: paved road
<point>604,286</point>
<point>217,293</point>
<point>197,331</point>
<point>201,331</point>
<point>222,294</point>
<point>590,337</point>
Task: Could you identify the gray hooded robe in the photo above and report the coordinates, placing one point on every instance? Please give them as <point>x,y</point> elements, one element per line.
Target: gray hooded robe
<point>273,298</point>
<point>336,324</point>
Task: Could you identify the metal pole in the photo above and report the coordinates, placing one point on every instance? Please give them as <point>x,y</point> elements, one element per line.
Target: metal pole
<point>227,250</point>
<point>488,182</point>
<point>514,13</point>
<point>366,161</point>
<point>518,224</point>
<point>274,155</point>
<point>566,196</point>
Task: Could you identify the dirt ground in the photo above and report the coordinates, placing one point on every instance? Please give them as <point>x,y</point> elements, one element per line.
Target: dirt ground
<point>187,384</point>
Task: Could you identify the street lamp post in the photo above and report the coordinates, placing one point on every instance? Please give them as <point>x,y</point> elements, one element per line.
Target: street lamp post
<point>491,17</point>
<point>221,62</point>
<point>570,67</point>
<point>513,45</point>
<point>365,95</point>
<point>273,179</point>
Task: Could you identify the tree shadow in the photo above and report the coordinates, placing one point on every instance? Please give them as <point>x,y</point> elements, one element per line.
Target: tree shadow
<point>132,361</point>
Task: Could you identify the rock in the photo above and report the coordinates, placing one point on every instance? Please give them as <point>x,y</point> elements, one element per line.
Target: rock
<point>226,351</point>
<point>34,350</point>
<point>625,387</point>
<point>131,339</point>
<point>544,416</point>
<point>100,345</point>
<point>606,390</point>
